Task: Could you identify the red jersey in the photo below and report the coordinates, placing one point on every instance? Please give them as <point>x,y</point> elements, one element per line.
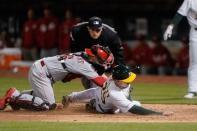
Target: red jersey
<point>161,56</point>
<point>28,34</point>
<point>142,54</point>
<point>64,34</point>
<point>47,34</point>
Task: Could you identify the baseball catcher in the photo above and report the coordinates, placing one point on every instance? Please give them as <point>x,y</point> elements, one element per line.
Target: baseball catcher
<point>114,97</point>
<point>45,72</point>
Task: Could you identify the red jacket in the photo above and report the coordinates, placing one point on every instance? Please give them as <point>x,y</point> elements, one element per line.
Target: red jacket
<point>161,56</point>
<point>141,54</point>
<point>47,34</point>
<point>28,34</point>
<point>64,34</point>
<point>183,58</point>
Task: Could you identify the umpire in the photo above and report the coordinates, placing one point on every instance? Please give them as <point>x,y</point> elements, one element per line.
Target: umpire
<point>86,34</point>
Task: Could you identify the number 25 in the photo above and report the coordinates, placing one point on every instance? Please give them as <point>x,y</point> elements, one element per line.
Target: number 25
<point>104,93</point>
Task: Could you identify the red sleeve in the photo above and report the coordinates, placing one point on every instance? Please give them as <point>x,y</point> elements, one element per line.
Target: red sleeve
<point>100,80</point>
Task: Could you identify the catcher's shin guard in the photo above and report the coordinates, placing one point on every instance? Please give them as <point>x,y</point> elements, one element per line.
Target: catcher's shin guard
<point>29,102</point>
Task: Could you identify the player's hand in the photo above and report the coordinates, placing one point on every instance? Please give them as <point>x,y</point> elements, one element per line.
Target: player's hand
<point>168,32</point>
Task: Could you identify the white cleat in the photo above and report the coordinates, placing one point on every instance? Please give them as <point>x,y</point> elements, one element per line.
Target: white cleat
<point>190,95</point>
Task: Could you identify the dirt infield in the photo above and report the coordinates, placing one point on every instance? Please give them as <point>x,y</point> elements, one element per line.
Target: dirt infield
<point>76,113</point>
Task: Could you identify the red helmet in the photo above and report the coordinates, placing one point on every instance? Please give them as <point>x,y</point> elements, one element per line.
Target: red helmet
<point>102,55</point>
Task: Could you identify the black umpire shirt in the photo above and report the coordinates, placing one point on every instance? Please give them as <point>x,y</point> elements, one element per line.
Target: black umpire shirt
<point>81,39</point>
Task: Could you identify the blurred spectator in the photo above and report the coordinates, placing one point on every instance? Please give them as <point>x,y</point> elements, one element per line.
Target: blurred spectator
<point>47,35</point>
<point>182,60</point>
<point>162,62</point>
<point>29,45</point>
<point>64,32</point>
<point>141,54</point>
<point>5,40</point>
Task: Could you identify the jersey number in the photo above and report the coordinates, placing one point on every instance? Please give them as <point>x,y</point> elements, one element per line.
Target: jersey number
<point>104,93</point>
<point>70,56</point>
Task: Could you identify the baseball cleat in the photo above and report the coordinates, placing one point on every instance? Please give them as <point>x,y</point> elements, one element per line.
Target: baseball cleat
<point>6,98</point>
<point>90,106</point>
<point>9,94</point>
<point>66,101</point>
<point>191,95</point>
<point>2,104</point>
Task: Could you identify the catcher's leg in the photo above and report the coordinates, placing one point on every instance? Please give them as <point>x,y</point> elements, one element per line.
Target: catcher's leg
<point>27,101</point>
<point>17,100</point>
<point>41,84</point>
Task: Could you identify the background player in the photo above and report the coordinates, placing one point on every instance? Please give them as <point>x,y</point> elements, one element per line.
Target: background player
<point>114,97</point>
<point>189,10</point>
<point>45,72</point>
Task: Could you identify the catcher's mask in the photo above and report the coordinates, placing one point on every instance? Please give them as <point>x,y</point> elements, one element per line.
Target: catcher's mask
<point>100,55</point>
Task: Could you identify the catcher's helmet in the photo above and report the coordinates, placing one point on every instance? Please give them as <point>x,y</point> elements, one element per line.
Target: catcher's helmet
<point>100,55</point>
<point>122,73</point>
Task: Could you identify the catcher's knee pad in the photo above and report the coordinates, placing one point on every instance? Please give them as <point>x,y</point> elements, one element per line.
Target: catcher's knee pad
<point>29,102</point>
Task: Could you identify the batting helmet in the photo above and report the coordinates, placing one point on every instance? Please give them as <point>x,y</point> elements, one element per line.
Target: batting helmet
<point>122,73</point>
<point>100,55</point>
